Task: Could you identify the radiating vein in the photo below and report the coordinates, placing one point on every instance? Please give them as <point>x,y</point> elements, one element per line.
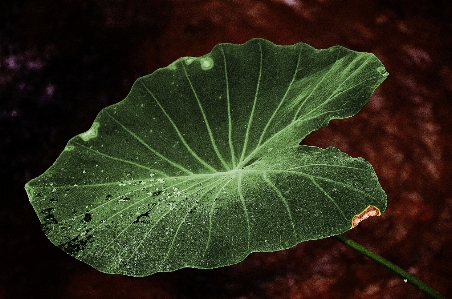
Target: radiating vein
<point>116,236</point>
<point>212,208</point>
<point>212,139</point>
<point>132,204</point>
<point>114,158</point>
<point>329,99</point>
<point>305,118</point>
<point>250,120</point>
<point>92,185</point>
<point>283,199</point>
<point>245,210</point>
<point>141,241</point>
<point>310,176</point>
<point>155,224</point>
<point>313,89</point>
<point>364,194</point>
<point>282,100</point>
<point>319,164</point>
<point>92,210</point>
<point>349,73</point>
<point>329,197</point>
<point>150,148</point>
<point>179,134</point>
<point>207,188</point>
<point>228,100</point>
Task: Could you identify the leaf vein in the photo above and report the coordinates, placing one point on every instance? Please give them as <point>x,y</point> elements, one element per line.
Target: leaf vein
<point>283,199</point>
<point>327,195</point>
<point>281,102</point>
<point>250,120</point>
<point>177,165</point>
<point>212,185</point>
<point>209,130</point>
<point>245,210</point>
<point>179,134</point>
<point>228,99</point>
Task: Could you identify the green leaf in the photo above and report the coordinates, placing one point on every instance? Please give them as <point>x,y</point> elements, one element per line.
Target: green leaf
<point>200,165</point>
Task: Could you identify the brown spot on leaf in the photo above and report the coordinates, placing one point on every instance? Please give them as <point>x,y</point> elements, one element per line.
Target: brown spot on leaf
<point>368,212</point>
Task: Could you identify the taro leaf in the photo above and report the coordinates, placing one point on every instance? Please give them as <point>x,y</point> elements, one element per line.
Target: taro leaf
<point>200,164</point>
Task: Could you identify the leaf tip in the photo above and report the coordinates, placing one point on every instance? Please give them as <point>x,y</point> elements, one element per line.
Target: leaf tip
<point>382,71</point>
<point>366,213</point>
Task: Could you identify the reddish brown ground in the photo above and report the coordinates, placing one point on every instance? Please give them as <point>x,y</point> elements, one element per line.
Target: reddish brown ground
<point>62,61</point>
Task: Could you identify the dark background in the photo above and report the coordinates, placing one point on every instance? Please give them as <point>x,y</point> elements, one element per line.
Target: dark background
<point>62,61</point>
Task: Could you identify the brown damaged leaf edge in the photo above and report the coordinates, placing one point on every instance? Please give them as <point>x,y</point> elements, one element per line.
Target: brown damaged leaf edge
<point>366,213</point>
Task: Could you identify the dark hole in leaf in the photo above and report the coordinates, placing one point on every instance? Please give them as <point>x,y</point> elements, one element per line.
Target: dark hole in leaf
<point>157,193</point>
<point>75,245</point>
<point>50,219</point>
<point>47,222</point>
<point>47,211</point>
<point>144,218</point>
<point>123,198</point>
<point>87,217</point>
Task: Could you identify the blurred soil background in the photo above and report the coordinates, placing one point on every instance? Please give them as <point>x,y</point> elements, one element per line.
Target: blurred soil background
<point>62,61</point>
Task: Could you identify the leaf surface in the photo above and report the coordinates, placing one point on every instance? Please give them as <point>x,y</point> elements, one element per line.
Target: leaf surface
<point>200,164</point>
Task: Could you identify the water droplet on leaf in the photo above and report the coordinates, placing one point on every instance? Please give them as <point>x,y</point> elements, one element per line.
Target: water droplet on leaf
<point>206,63</point>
